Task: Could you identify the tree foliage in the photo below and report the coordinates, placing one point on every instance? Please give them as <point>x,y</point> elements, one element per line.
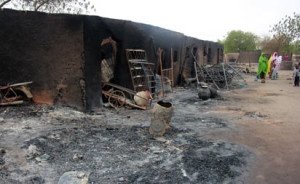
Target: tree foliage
<point>295,47</point>
<point>50,6</point>
<point>237,41</point>
<point>275,44</point>
<point>287,32</point>
<point>288,27</point>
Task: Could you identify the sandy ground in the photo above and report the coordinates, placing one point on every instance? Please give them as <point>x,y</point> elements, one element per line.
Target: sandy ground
<point>247,135</point>
<point>268,119</point>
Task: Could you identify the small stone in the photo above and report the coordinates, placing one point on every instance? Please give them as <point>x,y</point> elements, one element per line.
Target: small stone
<point>77,157</point>
<point>80,174</point>
<point>38,159</point>
<point>45,157</point>
<point>157,152</point>
<point>106,105</point>
<point>2,150</point>
<point>27,127</point>
<point>121,179</point>
<point>161,139</point>
<point>74,177</point>
<point>31,152</point>
<point>54,136</point>
<point>1,119</point>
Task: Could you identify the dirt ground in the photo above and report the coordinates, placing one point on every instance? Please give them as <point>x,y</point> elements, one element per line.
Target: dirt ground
<point>268,119</point>
<point>247,135</point>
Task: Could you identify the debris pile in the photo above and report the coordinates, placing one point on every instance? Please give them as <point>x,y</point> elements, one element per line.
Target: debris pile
<point>220,75</point>
<point>115,146</point>
<point>14,94</point>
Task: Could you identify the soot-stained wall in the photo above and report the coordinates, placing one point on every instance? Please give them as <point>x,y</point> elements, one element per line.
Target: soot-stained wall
<point>45,49</point>
<point>204,52</point>
<point>62,54</point>
<point>131,35</point>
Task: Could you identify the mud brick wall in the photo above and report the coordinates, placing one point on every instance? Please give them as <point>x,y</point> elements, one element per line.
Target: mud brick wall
<point>231,57</point>
<point>249,56</point>
<point>286,65</point>
<point>206,52</point>
<point>45,49</point>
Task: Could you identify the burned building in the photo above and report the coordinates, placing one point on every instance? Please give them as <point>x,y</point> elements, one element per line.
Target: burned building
<point>62,54</point>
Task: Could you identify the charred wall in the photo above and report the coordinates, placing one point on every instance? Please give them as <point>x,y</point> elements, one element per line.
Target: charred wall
<point>204,52</point>
<point>131,35</point>
<point>92,35</point>
<point>45,49</point>
<point>127,35</point>
<point>166,39</point>
<point>62,54</point>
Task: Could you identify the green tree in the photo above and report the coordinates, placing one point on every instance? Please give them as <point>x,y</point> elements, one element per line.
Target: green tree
<point>50,6</point>
<point>237,41</point>
<point>220,41</point>
<point>295,47</point>
<point>287,32</point>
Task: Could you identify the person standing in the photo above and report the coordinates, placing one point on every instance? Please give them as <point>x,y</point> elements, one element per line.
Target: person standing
<point>279,60</point>
<point>269,66</point>
<point>262,67</point>
<point>296,76</point>
<point>272,62</point>
<point>274,72</point>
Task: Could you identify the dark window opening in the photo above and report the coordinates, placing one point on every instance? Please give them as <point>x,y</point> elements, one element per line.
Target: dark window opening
<point>163,58</point>
<point>195,51</point>
<point>218,56</point>
<point>204,51</point>
<point>187,50</point>
<point>209,60</point>
<point>222,52</point>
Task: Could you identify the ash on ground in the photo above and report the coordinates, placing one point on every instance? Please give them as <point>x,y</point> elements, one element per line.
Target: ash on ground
<point>39,143</point>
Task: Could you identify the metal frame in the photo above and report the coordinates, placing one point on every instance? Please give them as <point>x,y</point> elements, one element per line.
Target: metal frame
<point>119,96</point>
<point>141,73</point>
<point>9,96</point>
<point>169,72</point>
<point>220,75</point>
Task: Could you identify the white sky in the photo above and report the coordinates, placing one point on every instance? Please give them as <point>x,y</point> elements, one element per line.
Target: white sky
<point>202,19</point>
